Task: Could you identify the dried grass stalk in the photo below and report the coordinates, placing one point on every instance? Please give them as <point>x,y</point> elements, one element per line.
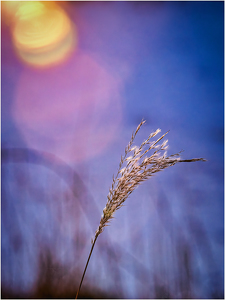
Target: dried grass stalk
<point>135,167</point>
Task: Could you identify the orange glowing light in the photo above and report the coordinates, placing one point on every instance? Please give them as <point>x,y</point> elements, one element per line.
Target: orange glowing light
<point>42,34</point>
<point>9,9</point>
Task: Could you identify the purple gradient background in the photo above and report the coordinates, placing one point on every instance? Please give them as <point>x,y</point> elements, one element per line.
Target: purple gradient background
<point>161,61</point>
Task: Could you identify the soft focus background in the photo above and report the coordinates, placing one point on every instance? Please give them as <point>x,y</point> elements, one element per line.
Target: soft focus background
<point>77,79</point>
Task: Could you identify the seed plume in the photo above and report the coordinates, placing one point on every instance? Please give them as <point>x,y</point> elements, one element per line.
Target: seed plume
<point>135,167</point>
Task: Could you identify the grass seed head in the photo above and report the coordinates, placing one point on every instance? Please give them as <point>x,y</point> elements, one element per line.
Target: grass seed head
<point>136,168</point>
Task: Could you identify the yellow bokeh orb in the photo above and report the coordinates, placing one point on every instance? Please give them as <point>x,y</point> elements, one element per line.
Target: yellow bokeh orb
<point>43,34</point>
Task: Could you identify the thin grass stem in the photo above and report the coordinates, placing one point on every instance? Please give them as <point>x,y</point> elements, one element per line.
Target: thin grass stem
<point>93,244</point>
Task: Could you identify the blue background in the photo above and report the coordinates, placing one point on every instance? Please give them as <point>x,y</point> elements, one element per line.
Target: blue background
<point>166,63</point>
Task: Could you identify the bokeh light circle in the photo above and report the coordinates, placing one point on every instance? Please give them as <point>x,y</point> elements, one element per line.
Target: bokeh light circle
<point>72,110</point>
<point>43,34</point>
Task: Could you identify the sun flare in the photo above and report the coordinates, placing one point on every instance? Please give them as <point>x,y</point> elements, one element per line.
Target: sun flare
<point>42,32</point>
